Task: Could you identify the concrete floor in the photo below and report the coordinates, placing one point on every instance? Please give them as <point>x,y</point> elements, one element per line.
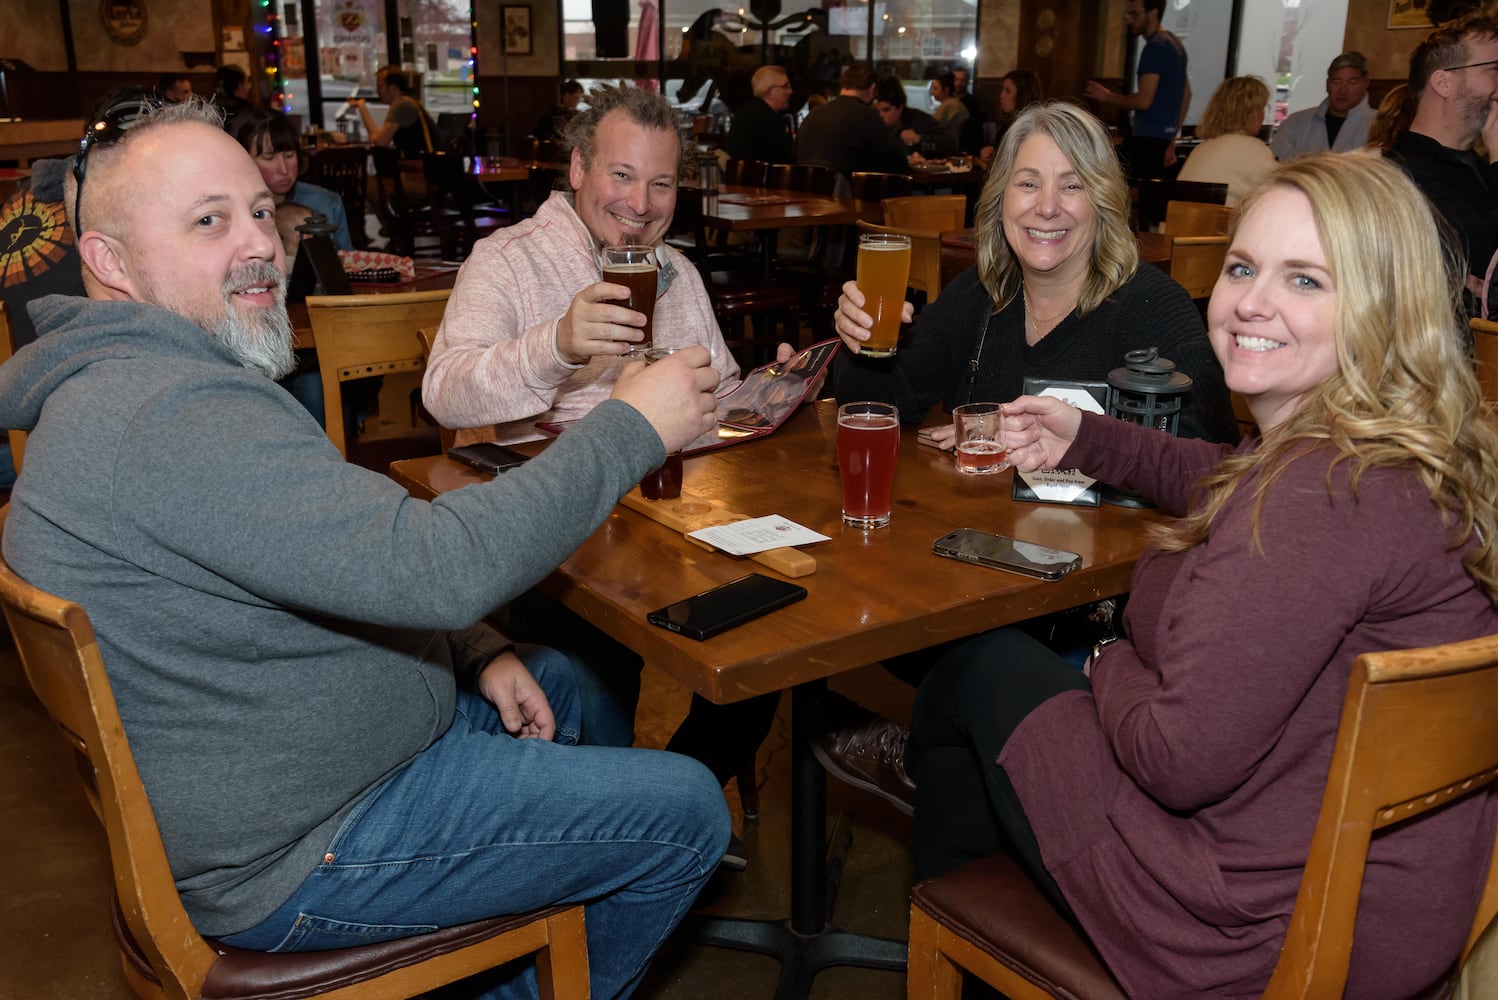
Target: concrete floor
<point>55,940</point>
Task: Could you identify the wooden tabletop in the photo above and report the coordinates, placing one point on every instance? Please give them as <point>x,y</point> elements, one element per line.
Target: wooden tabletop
<point>509,169</point>
<point>874,594</point>
<point>742,209</point>
<point>939,174</point>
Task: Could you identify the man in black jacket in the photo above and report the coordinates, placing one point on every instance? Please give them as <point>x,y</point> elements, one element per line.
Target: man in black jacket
<point>760,129</point>
<point>1454,82</point>
<point>846,133</point>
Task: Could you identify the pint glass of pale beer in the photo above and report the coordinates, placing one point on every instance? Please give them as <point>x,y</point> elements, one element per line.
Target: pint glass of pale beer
<point>633,266</point>
<point>883,272</point>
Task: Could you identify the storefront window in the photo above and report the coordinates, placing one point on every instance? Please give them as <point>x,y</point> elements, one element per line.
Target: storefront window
<point>708,52</point>
<point>352,44</point>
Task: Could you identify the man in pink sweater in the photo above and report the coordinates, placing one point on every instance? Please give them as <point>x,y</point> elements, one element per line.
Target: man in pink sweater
<point>532,331</point>
<point>533,334</point>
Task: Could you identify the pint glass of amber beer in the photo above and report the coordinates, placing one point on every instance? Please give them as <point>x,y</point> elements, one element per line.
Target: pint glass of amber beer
<point>883,272</point>
<point>633,266</point>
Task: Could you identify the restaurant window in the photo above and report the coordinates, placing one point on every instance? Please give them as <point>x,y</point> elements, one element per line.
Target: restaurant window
<point>707,52</point>
<point>352,43</point>
<point>1290,44</point>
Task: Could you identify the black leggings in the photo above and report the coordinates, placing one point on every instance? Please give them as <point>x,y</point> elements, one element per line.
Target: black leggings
<point>976,694</point>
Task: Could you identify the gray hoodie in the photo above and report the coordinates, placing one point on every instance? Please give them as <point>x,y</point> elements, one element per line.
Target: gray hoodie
<point>269,614</point>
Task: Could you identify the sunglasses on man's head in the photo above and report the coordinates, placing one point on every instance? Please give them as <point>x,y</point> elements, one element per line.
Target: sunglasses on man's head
<point>1476,65</point>
<point>105,131</point>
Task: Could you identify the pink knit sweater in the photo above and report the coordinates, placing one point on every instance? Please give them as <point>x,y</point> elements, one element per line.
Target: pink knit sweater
<point>494,368</point>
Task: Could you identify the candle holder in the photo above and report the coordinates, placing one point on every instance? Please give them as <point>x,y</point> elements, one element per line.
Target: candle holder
<point>1147,391</point>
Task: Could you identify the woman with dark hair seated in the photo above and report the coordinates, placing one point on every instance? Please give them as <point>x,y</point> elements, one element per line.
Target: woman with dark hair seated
<point>271,139</point>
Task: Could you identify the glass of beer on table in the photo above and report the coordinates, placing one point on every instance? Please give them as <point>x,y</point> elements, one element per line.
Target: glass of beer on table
<point>868,439</point>
<point>883,273</point>
<point>633,265</point>
<point>663,483</point>
<point>980,443</point>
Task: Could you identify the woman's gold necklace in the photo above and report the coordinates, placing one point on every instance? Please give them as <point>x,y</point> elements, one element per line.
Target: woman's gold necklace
<point>1037,321</point>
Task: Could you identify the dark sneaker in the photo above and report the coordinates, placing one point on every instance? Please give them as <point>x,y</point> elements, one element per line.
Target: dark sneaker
<point>869,754</point>
<point>735,858</point>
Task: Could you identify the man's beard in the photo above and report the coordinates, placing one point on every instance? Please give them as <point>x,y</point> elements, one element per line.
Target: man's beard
<point>1474,107</point>
<point>260,339</point>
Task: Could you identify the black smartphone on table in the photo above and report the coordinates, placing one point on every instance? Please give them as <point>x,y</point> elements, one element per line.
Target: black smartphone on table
<point>711,612</point>
<point>486,456</point>
<point>1002,552</point>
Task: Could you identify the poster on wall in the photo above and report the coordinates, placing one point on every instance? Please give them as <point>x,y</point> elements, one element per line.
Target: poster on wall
<point>124,20</point>
<point>353,23</point>
<point>517,28</point>
<point>1408,14</point>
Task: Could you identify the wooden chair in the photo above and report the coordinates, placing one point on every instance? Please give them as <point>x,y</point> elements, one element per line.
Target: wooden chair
<point>1152,198</point>
<point>1485,349</point>
<point>460,212</point>
<point>748,305</point>
<point>408,226</point>
<point>1196,218</point>
<point>941,212</point>
<point>162,954</point>
<point>1196,261</point>
<point>7,348</point>
<point>813,178</point>
<point>750,173</point>
<point>1419,728</point>
<point>360,336</point>
<point>344,171</point>
<point>869,185</point>
<point>925,255</point>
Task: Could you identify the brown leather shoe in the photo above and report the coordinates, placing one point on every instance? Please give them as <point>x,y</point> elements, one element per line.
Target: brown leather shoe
<point>869,753</point>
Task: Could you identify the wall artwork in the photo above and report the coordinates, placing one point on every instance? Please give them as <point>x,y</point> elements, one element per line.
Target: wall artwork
<point>516,19</point>
<point>124,20</point>
<point>1408,14</point>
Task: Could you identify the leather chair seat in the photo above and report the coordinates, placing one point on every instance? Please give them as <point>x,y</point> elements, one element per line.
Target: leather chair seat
<point>255,975</point>
<point>992,904</point>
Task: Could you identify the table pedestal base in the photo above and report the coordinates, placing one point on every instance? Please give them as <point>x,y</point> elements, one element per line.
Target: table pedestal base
<point>801,956</point>
<point>807,943</point>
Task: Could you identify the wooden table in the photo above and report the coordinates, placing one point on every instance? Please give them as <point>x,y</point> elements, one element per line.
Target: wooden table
<point>939,175</point>
<point>875,594</point>
<point>738,208</point>
<point>509,169</point>
<point>428,277</point>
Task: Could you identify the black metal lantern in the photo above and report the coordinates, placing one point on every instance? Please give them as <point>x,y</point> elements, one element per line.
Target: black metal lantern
<point>1147,391</point>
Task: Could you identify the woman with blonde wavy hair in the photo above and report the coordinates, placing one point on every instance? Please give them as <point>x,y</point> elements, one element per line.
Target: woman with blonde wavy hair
<point>1231,151</point>
<point>1167,799</point>
<point>1057,291</point>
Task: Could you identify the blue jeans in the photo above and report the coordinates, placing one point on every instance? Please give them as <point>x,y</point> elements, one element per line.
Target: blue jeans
<point>724,737</point>
<point>481,824</point>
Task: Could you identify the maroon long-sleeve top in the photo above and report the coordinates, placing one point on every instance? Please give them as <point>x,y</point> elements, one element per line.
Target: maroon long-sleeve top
<point>1174,803</point>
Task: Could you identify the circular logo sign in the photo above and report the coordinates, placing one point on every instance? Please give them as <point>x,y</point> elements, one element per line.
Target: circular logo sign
<point>124,20</point>
<point>34,235</point>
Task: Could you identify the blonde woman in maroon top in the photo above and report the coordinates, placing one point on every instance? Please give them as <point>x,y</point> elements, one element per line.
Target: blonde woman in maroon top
<point>1167,800</point>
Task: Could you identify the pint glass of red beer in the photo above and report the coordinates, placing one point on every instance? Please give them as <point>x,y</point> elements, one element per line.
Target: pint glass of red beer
<point>868,439</point>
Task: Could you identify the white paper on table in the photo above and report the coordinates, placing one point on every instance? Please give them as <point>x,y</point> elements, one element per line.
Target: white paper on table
<point>757,534</point>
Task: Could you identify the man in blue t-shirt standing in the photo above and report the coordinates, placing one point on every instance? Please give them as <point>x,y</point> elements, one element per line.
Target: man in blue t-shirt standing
<point>1160,101</point>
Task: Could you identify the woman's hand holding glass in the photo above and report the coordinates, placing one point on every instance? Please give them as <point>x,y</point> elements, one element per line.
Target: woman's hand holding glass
<point>852,323</point>
<point>1039,430</point>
